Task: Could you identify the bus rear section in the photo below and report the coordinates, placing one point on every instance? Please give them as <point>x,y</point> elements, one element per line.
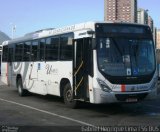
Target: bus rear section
<point>4,64</point>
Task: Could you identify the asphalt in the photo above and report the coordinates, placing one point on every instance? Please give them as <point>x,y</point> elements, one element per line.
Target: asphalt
<point>48,113</point>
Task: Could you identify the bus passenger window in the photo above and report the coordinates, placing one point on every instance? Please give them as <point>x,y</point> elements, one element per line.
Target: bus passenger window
<point>27,51</point>
<point>66,47</point>
<point>34,51</point>
<point>51,52</point>
<point>5,53</point>
<point>18,52</point>
<point>42,49</point>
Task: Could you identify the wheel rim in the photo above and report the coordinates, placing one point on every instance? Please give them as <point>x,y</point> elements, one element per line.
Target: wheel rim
<point>69,95</point>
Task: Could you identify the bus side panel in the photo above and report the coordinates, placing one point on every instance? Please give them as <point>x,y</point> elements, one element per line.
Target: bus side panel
<point>66,71</point>
<point>53,74</point>
<point>31,81</point>
<point>18,69</point>
<point>23,70</point>
<point>39,77</point>
<point>4,73</point>
<point>45,77</point>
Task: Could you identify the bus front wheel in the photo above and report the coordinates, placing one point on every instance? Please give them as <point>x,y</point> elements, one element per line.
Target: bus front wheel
<point>68,97</point>
<point>22,92</point>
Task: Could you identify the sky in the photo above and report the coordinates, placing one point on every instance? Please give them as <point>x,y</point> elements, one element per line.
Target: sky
<point>32,15</point>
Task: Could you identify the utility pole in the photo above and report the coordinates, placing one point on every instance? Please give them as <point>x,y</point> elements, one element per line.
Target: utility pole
<point>13,29</point>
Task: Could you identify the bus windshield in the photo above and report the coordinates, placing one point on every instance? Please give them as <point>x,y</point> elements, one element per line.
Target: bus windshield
<point>125,56</point>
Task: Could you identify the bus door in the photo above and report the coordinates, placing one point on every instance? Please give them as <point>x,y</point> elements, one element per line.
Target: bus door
<point>81,68</point>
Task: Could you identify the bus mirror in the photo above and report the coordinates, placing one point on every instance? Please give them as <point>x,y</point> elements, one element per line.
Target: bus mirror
<point>91,32</point>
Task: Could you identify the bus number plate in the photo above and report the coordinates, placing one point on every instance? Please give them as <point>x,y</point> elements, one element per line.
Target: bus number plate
<point>132,100</point>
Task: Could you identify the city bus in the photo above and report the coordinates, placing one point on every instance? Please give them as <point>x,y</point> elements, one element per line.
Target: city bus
<point>95,62</point>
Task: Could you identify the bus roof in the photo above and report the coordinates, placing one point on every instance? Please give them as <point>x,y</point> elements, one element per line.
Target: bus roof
<point>90,26</point>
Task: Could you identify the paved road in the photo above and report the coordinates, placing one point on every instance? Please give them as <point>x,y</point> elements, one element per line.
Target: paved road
<point>35,110</point>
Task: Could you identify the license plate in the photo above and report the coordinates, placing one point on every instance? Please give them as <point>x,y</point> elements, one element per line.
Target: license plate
<point>132,100</point>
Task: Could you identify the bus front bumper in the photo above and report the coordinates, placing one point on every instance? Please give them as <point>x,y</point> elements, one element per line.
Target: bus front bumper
<point>101,97</point>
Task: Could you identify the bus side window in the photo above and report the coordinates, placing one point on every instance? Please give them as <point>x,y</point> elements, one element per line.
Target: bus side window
<point>41,50</point>
<point>18,52</point>
<point>34,53</point>
<point>27,51</point>
<point>51,52</point>
<point>66,47</point>
<point>10,55</point>
<point>5,53</point>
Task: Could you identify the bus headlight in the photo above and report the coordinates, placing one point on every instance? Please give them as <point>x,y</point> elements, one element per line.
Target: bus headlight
<point>103,85</point>
<point>154,85</point>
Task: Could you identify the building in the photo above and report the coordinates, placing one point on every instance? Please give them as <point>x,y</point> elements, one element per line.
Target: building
<point>151,23</point>
<point>158,39</point>
<point>120,10</point>
<point>142,16</point>
<point>155,36</point>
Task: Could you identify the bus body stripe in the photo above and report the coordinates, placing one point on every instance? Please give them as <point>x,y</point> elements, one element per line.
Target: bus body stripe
<point>123,88</point>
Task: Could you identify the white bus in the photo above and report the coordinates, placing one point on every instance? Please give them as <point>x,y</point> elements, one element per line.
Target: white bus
<point>94,62</point>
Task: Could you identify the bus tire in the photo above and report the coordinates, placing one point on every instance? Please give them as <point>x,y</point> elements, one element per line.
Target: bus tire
<point>22,92</point>
<point>68,97</point>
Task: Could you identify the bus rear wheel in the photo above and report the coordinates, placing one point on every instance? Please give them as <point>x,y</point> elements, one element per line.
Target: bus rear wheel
<point>22,92</point>
<point>68,97</point>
